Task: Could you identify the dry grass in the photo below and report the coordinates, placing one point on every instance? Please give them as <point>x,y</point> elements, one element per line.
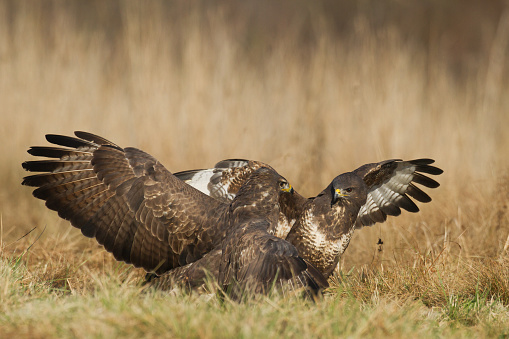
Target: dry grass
<point>193,84</point>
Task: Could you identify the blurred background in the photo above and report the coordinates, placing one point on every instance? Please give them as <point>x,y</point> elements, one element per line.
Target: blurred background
<point>313,88</point>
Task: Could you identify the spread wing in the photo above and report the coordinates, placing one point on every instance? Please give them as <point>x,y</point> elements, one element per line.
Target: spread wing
<point>256,261</point>
<point>224,181</point>
<point>390,184</point>
<point>127,200</point>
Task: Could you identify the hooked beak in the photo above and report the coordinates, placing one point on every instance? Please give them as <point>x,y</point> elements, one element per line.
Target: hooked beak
<point>337,194</point>
<point>288,188</point>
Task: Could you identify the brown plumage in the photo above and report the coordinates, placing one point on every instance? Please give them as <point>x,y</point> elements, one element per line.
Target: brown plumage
<point>253,259</point>
<point>128,201</point>
<point>144,215</point>
<point>321,227</point>
<point>324,228</point>
<point>224,181</point>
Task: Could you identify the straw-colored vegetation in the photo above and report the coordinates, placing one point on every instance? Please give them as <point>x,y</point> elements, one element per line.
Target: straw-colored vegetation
<point>314,90</point>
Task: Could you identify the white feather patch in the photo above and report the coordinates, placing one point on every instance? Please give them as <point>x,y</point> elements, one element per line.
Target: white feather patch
<point>201,180</point>
<point>387,193</point>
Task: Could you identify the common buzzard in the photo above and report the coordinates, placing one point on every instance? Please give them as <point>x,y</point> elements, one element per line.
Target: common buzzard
<point>321,227</point>
<point>145,216</point>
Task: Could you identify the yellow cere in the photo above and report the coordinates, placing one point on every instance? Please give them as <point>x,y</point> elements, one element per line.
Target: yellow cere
<point>338,191</point>
<point>288,189</point>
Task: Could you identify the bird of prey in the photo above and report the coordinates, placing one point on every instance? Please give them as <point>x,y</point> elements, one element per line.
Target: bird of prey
<point>254,259</point>
<point>321,227</point>
<point>145,216</point>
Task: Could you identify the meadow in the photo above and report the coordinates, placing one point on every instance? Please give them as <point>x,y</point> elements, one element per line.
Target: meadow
<point>313,90</point>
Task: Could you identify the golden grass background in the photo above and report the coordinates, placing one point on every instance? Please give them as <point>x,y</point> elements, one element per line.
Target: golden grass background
<point>313,89</point>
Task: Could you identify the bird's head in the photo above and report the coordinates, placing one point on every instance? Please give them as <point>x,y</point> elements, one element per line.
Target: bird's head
<point>348,187</point>
<point>265,179</point>
<point>285,186</point>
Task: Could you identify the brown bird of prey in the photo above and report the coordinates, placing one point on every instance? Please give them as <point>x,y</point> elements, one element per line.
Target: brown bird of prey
<point>145,216</point>
<point>321,227</point>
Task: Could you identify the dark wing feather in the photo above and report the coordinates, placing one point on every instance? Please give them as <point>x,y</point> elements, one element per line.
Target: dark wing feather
<point>255,261</point>
<point>127,200</point>
<point>94,138</point>
<point>390,183</point>
<point>55,152</point>
<point>67,141</point>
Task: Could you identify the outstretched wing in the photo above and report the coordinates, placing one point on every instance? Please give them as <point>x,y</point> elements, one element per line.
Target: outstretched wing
<point>390,183</point>
<point>255,261</point>
<point>127,200</point>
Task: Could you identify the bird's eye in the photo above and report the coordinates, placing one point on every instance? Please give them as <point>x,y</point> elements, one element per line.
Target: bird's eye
<point>282,184</point>
<point>349,190</point>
